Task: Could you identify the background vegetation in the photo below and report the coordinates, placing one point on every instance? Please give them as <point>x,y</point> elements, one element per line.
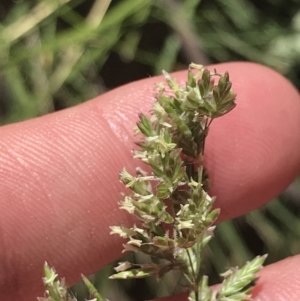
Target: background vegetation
<point>58,53</point>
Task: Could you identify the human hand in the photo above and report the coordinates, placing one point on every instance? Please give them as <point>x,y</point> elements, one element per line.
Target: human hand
<point>59,186</point>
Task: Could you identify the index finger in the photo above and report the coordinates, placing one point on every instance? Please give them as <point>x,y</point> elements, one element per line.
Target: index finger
<point>60,188</point>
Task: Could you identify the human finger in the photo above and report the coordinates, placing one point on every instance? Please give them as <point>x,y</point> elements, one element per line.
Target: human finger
<point>278,281</point>
<point>59,187</point>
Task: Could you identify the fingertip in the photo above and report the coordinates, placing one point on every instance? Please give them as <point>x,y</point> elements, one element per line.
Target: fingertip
<point>252,152</point>
<point>279,281</point>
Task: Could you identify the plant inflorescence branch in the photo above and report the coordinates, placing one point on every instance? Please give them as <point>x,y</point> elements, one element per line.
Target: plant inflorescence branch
<point>172,203</point>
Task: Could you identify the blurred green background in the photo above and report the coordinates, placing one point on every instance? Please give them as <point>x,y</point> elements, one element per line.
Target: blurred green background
<point>57,53</point>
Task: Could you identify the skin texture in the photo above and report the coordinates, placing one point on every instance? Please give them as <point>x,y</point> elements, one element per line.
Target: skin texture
<point>59,186</point>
